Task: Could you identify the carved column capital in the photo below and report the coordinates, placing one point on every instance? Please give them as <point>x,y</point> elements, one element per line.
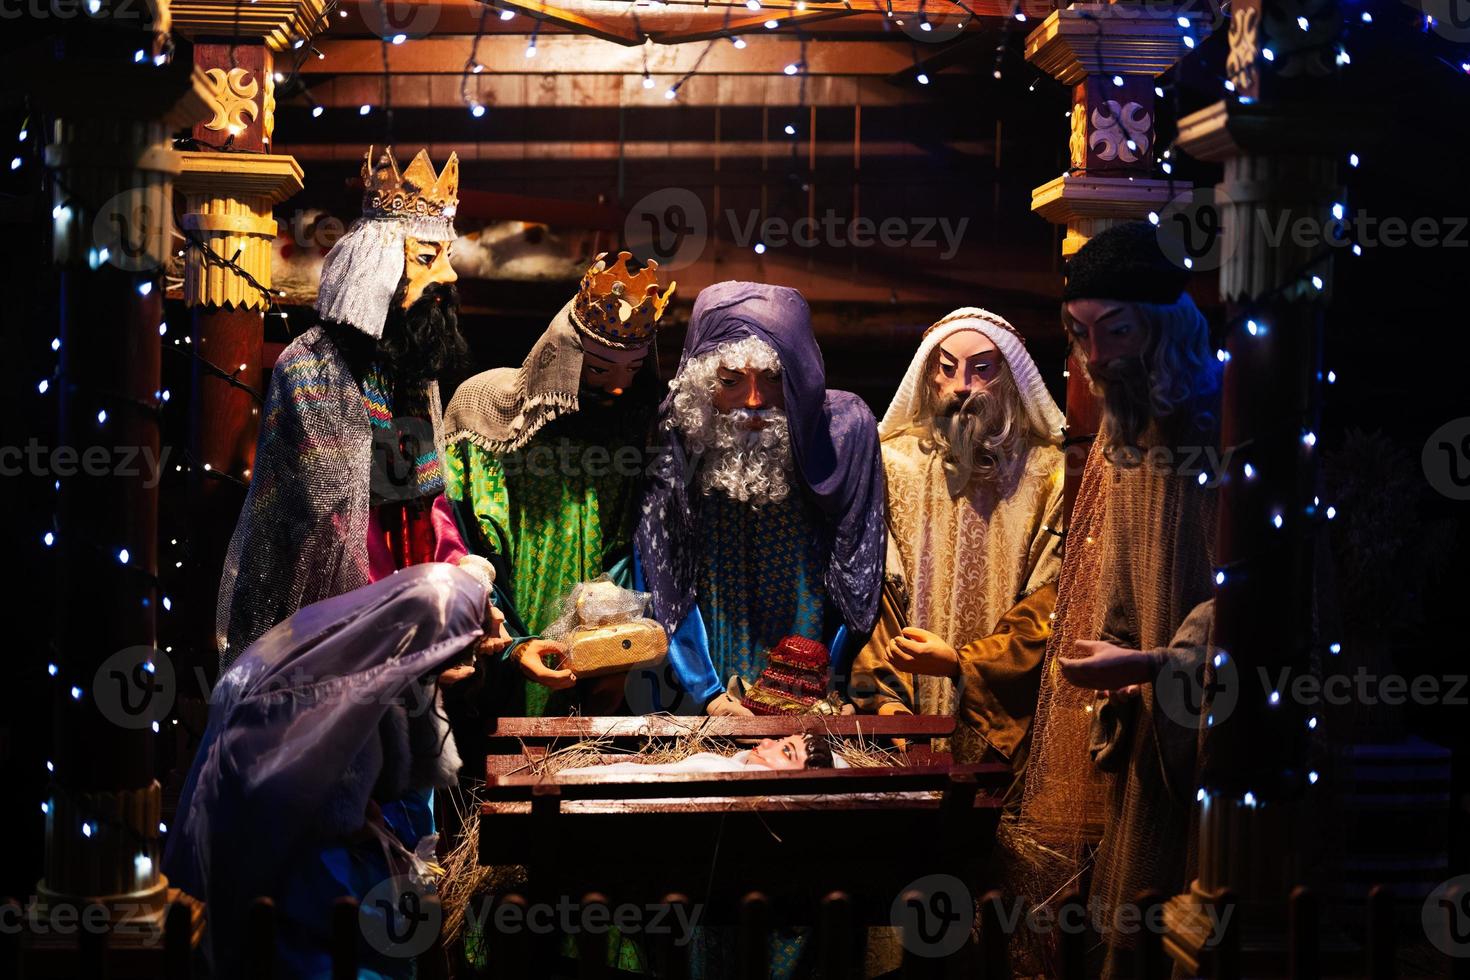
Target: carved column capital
<point>228,202</point>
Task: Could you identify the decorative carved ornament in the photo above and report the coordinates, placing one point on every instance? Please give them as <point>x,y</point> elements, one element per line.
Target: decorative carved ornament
<point>1240,65</point>
<point>1115,126</point>
<point>233,98</point>
<point>1078,143</point>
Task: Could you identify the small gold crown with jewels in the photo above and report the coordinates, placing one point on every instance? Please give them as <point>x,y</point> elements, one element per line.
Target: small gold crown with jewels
<point>617,308</point>
<point>414,192</point>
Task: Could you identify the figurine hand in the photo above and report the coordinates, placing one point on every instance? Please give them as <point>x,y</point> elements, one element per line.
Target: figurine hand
<point>1108,667</point>
<point>452,676</point>
<point>725,706</point>
<point>497,638</point>
<point>918,651</point>
<point>531,657</point>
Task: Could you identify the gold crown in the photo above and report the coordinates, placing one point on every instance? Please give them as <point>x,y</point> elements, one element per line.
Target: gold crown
<point>615,307</point>
<point>415,192</point>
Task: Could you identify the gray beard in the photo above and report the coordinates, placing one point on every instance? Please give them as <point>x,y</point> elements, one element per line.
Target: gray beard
<point>962,432</point>
<point>752,466</point>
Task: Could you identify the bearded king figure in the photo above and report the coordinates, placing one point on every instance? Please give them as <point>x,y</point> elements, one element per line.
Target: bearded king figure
<point>974,470</point>
<point>763,518</point>
<point>348,480</point>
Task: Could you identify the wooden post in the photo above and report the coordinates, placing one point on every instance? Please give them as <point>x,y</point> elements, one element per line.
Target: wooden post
<point>228,201</point>
<point>1278,136</point>
<point>1111,177</point>
<point>111,171</point>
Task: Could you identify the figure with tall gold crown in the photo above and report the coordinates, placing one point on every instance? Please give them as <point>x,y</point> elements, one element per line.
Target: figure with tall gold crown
<point>546,462</point>
<point>348,483</point>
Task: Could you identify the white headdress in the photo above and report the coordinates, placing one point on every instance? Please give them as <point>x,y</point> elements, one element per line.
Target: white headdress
<point>1041,411</point>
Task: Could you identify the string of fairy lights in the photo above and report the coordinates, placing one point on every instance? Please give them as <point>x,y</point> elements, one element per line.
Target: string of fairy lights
<point>1252,322</point>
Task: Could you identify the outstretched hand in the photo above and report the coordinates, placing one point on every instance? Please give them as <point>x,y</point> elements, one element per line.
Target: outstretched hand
<point>918,651</point>
<point>1105,666</point>
<point>531,656</point>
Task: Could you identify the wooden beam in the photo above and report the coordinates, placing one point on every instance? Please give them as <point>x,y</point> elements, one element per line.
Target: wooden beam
<point>506,55</point>
<point>618,30</point>
<point>498,91</point>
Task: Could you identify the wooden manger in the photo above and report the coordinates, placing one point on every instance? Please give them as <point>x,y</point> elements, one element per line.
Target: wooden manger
<point>832,849</point>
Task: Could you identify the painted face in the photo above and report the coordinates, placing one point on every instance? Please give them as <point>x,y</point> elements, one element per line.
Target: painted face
<point>609,370</point>
<point>966,362</point>
<point>753,388</point>
<point>424,263</point>
<point>786,753</point>
<point>1106,331</point>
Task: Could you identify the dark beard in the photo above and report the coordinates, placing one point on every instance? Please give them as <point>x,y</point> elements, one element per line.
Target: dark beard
<point>603,421</point>
<point>1127,406</point>
<point>418,344</point>
<point>422,342</point>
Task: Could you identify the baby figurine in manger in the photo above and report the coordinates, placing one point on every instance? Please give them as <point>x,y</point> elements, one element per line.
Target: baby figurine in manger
<point>801,751</point>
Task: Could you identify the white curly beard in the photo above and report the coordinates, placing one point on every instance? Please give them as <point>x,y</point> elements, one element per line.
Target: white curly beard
<point>752,466</point>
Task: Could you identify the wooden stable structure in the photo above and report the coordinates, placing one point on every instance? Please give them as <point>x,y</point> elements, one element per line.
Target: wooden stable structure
<point>751,850</point>
<point>1278,139</point>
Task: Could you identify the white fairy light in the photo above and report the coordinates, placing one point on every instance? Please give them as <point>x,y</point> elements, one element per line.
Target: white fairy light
<point>507,15</point>
<point>1277,520</point>
<point>364,109</point>
<point>1338,211</point>
<point>52,669</point>
<point>771,25</point>
<point>399,38</point>
<point>122,555</point>
<point>316,111</point>
<point>48,539</point>
<point>791,69</point>
<point>790,130</point>
<point>477,110</point>
<point>102,416</point>
<point>1118,80</point>
<point>760,248</point>
<point>922,78</point>
<point>1303,23</point>
<point>739,42</point>
<point>44,386</point>
<point>1313,776</point>
<point>76,693</point>
<point>1268,54</point>
<point>1189,42</point>
<point>1309,439</point>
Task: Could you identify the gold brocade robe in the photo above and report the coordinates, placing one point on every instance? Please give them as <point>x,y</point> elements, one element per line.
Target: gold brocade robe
<point>1118,773</point>
<point>959,567</point>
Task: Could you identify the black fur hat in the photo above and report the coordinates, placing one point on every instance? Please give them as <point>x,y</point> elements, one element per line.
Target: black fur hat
<point>1124,263</point>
